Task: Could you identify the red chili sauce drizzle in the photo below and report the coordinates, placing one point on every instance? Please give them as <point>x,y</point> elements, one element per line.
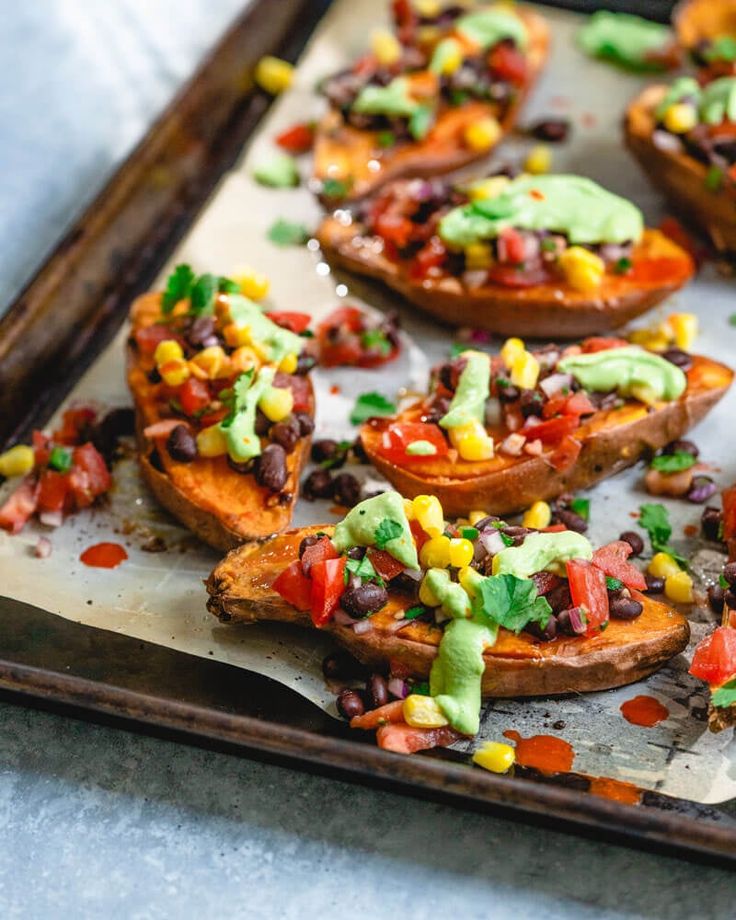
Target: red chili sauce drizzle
<point>104,555</point>
<point>544,752</point>
<point>644,711</point>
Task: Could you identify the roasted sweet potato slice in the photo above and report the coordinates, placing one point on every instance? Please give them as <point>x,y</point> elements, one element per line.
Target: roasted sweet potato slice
<point>680,176</point>
<point>220,505</point>
<point>698,21</point>
<point>355,157</point>
<point>611,440</point>
<point>517,666</point>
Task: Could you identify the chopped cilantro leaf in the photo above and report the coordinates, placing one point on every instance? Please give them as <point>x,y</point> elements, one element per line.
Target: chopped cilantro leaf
<point>339,457</point>
<point>581,507</point>
<point>178,286</point>
<point>60,459</point>
<point>335,188</point>
<point>363,568</point>
<point>457,348</point>
<point>622,265</point>
<point>655,520</point>
<point>673,463</point>
<point>413,612</point>
<point>725,695</point>
<point>227,285</point>
<point>507,541</point>
<point>732,319</point>
<point>370,405</point>
<point>286,233</point>
<point>723,582</point>
<point>203,293</point>
<point>714,178</point>
<point>387,531</point>
<point>376,338</point>
<point>469,533</point>
<point>512,602</point>
<point>386,139</point>
<point>613,584</point>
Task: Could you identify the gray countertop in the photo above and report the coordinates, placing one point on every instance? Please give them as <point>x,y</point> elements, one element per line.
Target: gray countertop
<point>102,823</point>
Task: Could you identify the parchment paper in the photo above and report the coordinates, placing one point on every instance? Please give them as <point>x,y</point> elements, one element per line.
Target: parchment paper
<point>159,596</point>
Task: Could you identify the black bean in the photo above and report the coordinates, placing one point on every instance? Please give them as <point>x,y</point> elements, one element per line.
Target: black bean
<point>679,358</point>
<point>346,490</point>
<point>271,472</point>
<point>634,540</point>
<point>350,704</point>
<point>710,522</point>
<point>551,130</point>
<point>571,520</point>
<point>307,541</point>
<point>359,451</point>
<point>262,424</point>
<point>445,375</point>
<point>154,376</point>
<point>507,392</point>
<point>201,332</point>
<point>364,599</point>
<point>570,622</point>
<point>405,584</point>
<point>547,634</point>
<point>325,449</point>
<point>531,403</point>
<point>655,584</point>
<point>486,522</point>
<point>286,433</point>
<point>341,665</point>
<point>181,444</point>
<point>729,599</point>
<point>559,598</point>
<point>114,425</point>
<point>682,447</point>
<point>318,484</point>
<point>377,690</point>
<point>517,534</point>
<point>304,364</point>
<point>356,552</point>
<point>306,423</point>
<point>625,608</point>
<point>729,573</point>
<point>716,598</point>
<point>247,466</point>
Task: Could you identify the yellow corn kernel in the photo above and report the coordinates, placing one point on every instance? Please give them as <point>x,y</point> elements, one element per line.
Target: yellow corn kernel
<point>211,442</point>
<point>488,188</point>
<point>461,553</point>
<point>427,595</point>
<point>427,9</point>
<point>385,46</point>
<point>583,270</point>
<point>680,118</point>
<point>472,441</point>
<point>663,565</point>
<point>243,359</point>
<point>525,371</point>
<point>435,553</point>
<point>476,516</point>
<point>428,36</point>
<point>468,578</point>
<point>684,328</point>
<point>168,350</point>
<point>276,403</point>
<point>213,361</point>
<point>538,516</point>
<point>478,256</point>
<point>18,461</point>
<point>510,349</point>
<point>289,363</point>
<point>273,74</point>
<point>429,514</point>
<point>423,712</point>
<point>409,509</point>
<point>655,338</point>
<point>447,57</point>
<point>539,160</point>
<point>495,756</point>
<point>679,588</point>
<point>174,373</point>
<point>482,134</point>
<point>236,336</point>
<point>252,284</point>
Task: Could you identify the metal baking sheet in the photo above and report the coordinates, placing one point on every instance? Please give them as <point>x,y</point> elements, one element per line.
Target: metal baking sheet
<point>159,596</point>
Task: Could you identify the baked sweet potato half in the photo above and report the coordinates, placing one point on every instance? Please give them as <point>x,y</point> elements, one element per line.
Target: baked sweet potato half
<point>241,591</point>
<point>194,384</point>
<point>437,101</point>
<point>708,31</point>
<point>483,257</point>
<point>538,438</point>
<point>692,162</point>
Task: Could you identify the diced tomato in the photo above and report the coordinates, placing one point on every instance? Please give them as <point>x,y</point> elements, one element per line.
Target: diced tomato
<point>554,405</point>
<point>20,505</point>
<point>728,498</point>
<point>89,476</point>
<point>148,337</point>
<point>297,139</point>
<point>578,404</point>
<point>290,319</point>
<point>212,418</point>
<point>294,586</point>
<point>403,739</point>
<point>346,353</point>
<point>566,453</point>
<point>323,549</point>
<point>511,244</point>
<point>420,536</point>
<point>385,564</point>
<point>715,657</point>
<point>389,713</point>
<point>588,590</point>
<point>513,277</point>
<point>328,585</point>
<point>508,63</point>
<point>301,390</point>
<point>194,396</point>
<point>551,431</point>
<point>365,64</point>
<point>432,255</point>
<point>601,343</point>
<point>75,424</point>
<point>554,528</point>
<point>41,448</point>
<point>397,437</point>
<point>395,228</point>
<point>53,490</point>
<point>612,560</point>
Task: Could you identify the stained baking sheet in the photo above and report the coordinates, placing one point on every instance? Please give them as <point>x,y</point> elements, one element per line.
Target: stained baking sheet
<point>159,596</point>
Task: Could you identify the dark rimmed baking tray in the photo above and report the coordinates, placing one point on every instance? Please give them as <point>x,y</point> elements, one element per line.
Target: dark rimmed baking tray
<point>56,329</point>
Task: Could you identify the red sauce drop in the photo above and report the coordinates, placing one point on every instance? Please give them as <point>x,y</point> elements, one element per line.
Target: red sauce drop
<point>104,555</point>
<point>644,711</point>
<point>544,752</point>
<point>335,389</point>
<point>690,530</point>
<point>616,789</point>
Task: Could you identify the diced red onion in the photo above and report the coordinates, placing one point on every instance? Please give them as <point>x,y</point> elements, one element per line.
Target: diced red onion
<point>51,518</point>
<point>362,627</point>
<point>474,278</point>
<point>42,548</point>
<point>343,619</point>
<point>398,688</point>
<point>493,413</point>
<point>414,574</point>
<point>163,428</point>
<point>554,383</point>
<point>572,618</point>
<point>393,627</point>
<point>667,142</point>
<point>513,445</point>
<point>492,541</point>
<point>533,448</point>
<point>531,247</point>
<point>531,421</point>
<point>701,490</point>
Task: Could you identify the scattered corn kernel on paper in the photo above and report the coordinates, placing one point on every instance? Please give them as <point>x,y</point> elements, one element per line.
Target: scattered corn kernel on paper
<point>159,597</point>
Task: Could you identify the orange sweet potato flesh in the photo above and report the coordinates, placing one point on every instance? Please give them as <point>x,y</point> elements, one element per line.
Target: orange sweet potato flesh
<point>220,505</point>
<point>346,153</point>
<point>611,441</point>
<point>680,176</point>
<point>516,666</point>
<point>551,310</point>
<point>699,20</point>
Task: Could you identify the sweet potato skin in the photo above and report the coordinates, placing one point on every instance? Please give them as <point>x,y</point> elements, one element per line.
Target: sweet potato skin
<point>680,176</point>
<point>611,440</point>
<point>517,666</point>
<point>219,505</point>
<point>551,310</point>
<point>341,150</point>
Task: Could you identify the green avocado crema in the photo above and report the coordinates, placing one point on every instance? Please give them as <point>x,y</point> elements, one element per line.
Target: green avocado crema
<point>469,402</point>
<point>630,370</point>
<point>278,342</point>
<point>363,523</point>
<point>627,40</point>
<point>578,207</point>
<point>393,99</point>
<point>489,27</point>
<point>542,552</point>
<point>718,101</point>
<point>240,432</point>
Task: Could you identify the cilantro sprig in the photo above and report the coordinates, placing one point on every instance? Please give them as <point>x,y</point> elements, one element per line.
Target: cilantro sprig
<point>387,531</point>
<point>725,695</point>
<point>371,405</point>
<point>673,463</point>
<point>512,602</point>
<point>656,521</point>
<point>200,291</point>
